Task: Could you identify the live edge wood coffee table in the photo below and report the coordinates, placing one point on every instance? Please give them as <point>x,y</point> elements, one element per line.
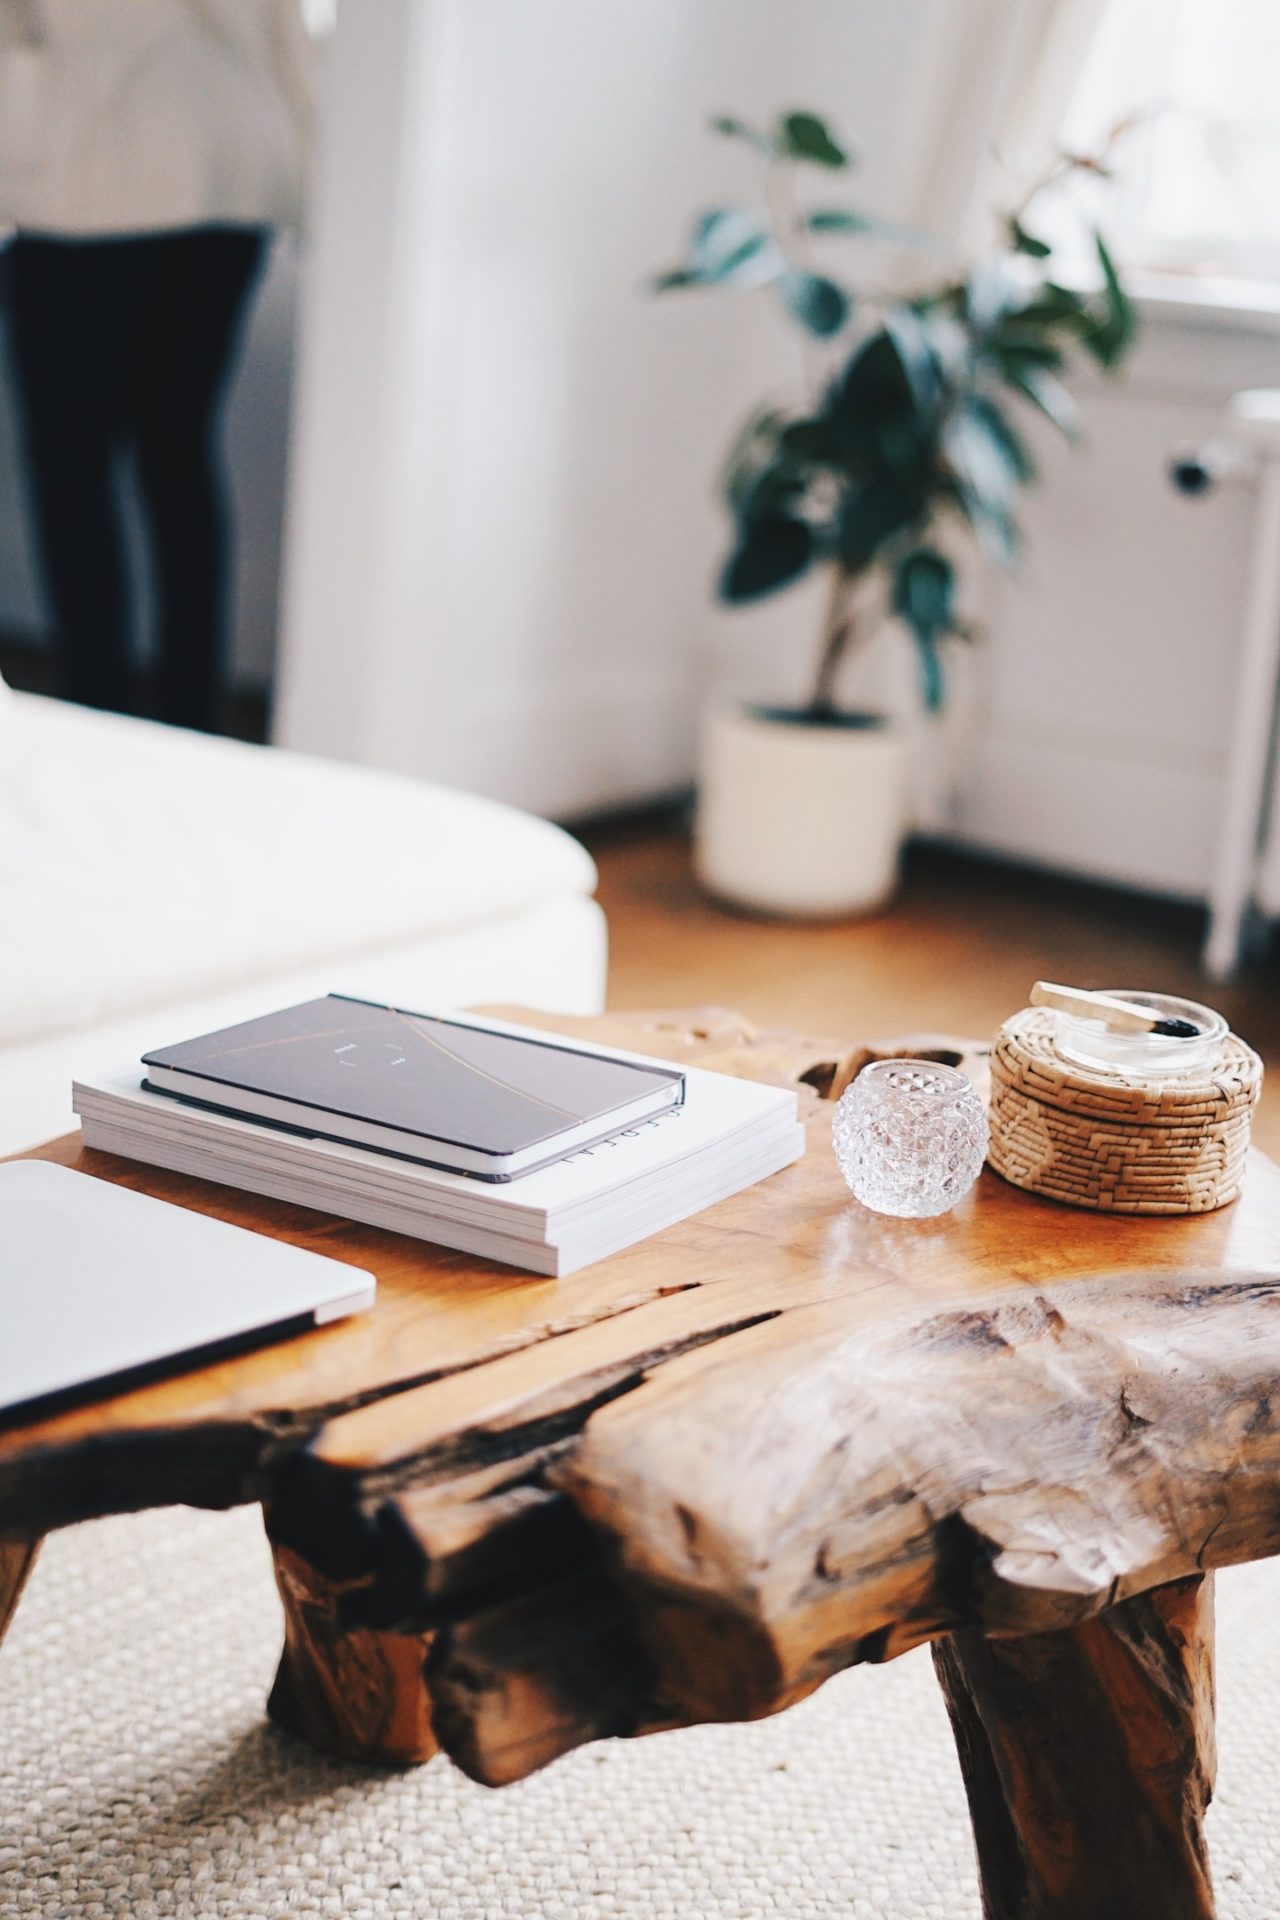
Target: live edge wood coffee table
<point>511,1515</point>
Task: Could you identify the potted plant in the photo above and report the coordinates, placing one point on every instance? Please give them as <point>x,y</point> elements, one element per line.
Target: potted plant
<point>908,439</point>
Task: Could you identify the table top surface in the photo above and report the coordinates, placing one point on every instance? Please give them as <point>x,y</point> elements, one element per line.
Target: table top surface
<point>829,1426</point>
<point>799,1237</point>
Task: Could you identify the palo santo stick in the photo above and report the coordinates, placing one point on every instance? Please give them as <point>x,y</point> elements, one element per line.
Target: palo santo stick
<point>1122,1016</point>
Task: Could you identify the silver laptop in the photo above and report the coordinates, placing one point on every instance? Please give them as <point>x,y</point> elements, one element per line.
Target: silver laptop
<point>99,1284</point>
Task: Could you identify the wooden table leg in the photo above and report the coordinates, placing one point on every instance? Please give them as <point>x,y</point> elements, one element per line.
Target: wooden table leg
<point>17,1558</point>
<point>1088,1757</point>
<point>352,1691</point>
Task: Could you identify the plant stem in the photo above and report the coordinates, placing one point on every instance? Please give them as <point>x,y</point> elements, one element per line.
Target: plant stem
<point>791,241</point>
<point>837,632</point>
<point>1065,162</point>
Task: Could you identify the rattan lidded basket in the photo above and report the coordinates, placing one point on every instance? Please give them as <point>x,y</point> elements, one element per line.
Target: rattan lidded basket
<point>1117,1141</point>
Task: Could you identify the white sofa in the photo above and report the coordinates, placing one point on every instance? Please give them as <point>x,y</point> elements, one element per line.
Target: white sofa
<point>155,884</point>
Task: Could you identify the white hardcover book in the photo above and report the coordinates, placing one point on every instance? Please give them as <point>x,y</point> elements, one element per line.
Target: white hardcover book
<point>717,1109</point>
<point>728,1134</point>
<point>230,1156</point>
<point>671,1204</point>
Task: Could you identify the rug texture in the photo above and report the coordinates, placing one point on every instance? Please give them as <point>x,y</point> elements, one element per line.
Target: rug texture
<point>139,1778</point>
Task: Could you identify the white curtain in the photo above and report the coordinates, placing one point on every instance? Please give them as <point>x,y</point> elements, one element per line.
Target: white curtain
<point>1000,80</point>
<point>997,80</point>
<point>1055,40</point>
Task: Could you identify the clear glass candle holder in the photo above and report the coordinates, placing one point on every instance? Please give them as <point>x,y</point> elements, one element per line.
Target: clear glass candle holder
<point>910,1137</point>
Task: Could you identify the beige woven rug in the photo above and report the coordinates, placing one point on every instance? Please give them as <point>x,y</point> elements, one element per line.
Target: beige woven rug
<point>138,1777</point>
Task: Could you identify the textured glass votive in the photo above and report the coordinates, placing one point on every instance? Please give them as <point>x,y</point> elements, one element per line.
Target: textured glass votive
<point>910,1137</point>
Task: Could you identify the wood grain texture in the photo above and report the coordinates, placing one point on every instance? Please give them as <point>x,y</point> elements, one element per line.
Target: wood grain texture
<point>693,1481</point>
<point>17,1557</point>
<point>1088,1758</point>
<point>1020,1465</point>
<point>347,1690</point>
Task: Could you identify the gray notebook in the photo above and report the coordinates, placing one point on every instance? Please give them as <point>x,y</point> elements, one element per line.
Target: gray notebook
<point>451,1093</point>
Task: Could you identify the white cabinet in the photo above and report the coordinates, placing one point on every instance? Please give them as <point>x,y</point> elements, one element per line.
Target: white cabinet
<point>1102,696</point>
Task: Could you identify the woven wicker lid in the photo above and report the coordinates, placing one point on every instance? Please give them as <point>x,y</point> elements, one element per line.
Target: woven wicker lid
<point>1026,1052</point>
<point>1174,1143</point>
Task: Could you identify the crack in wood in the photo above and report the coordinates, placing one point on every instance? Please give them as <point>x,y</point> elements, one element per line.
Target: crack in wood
<point>231,1462</point>
<point>327,1511</point>
<point>306,1421</point>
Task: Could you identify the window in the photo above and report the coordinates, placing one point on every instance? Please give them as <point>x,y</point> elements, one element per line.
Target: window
<point>1197,186</point>
<point>320,17</point>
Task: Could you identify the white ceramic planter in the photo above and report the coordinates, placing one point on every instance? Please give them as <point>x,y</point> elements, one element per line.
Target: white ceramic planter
<point>796,819</point>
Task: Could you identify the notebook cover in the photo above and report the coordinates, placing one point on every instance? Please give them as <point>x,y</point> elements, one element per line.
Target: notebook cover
<point>444,1080</point>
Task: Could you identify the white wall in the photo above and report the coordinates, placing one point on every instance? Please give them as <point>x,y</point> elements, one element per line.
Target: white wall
<point>503,530</point>
<point>256,448</point>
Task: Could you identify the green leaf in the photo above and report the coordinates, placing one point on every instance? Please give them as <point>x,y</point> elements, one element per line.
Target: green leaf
<point>678,277</point>
<point>1067,297</point>
<point>1024,242</point>
<point>874,383</point>
<point>1038,385</point>
<point>924,587</point>
<point>875,426</point>
<point>838,220</point>
<point>994,526</point>
<point>992,288</point>
<point>808,440</point>
<point>845,220</point>
<point>986,457</point>
<point>932,686</point>
<point>1108,265</point>
<point>803,136</point>
<point>924,592</point>
<point>1053,307</point>
<point>775,490</point>
<point>816,302</point>
<point>723,242</point>
<point>1004,437</point>
<point>770,554</point>
<point>739,130</point>
<point>1109,341</point>
<point>913,340</point>
<point>755,447</point>
<point>1018,347</point>
<point>872,514</point>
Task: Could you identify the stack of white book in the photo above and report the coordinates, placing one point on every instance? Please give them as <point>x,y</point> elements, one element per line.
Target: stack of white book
<point>725,1135</point>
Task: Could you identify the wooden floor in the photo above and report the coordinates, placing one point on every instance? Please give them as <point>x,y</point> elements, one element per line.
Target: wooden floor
<point>956,952</point>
